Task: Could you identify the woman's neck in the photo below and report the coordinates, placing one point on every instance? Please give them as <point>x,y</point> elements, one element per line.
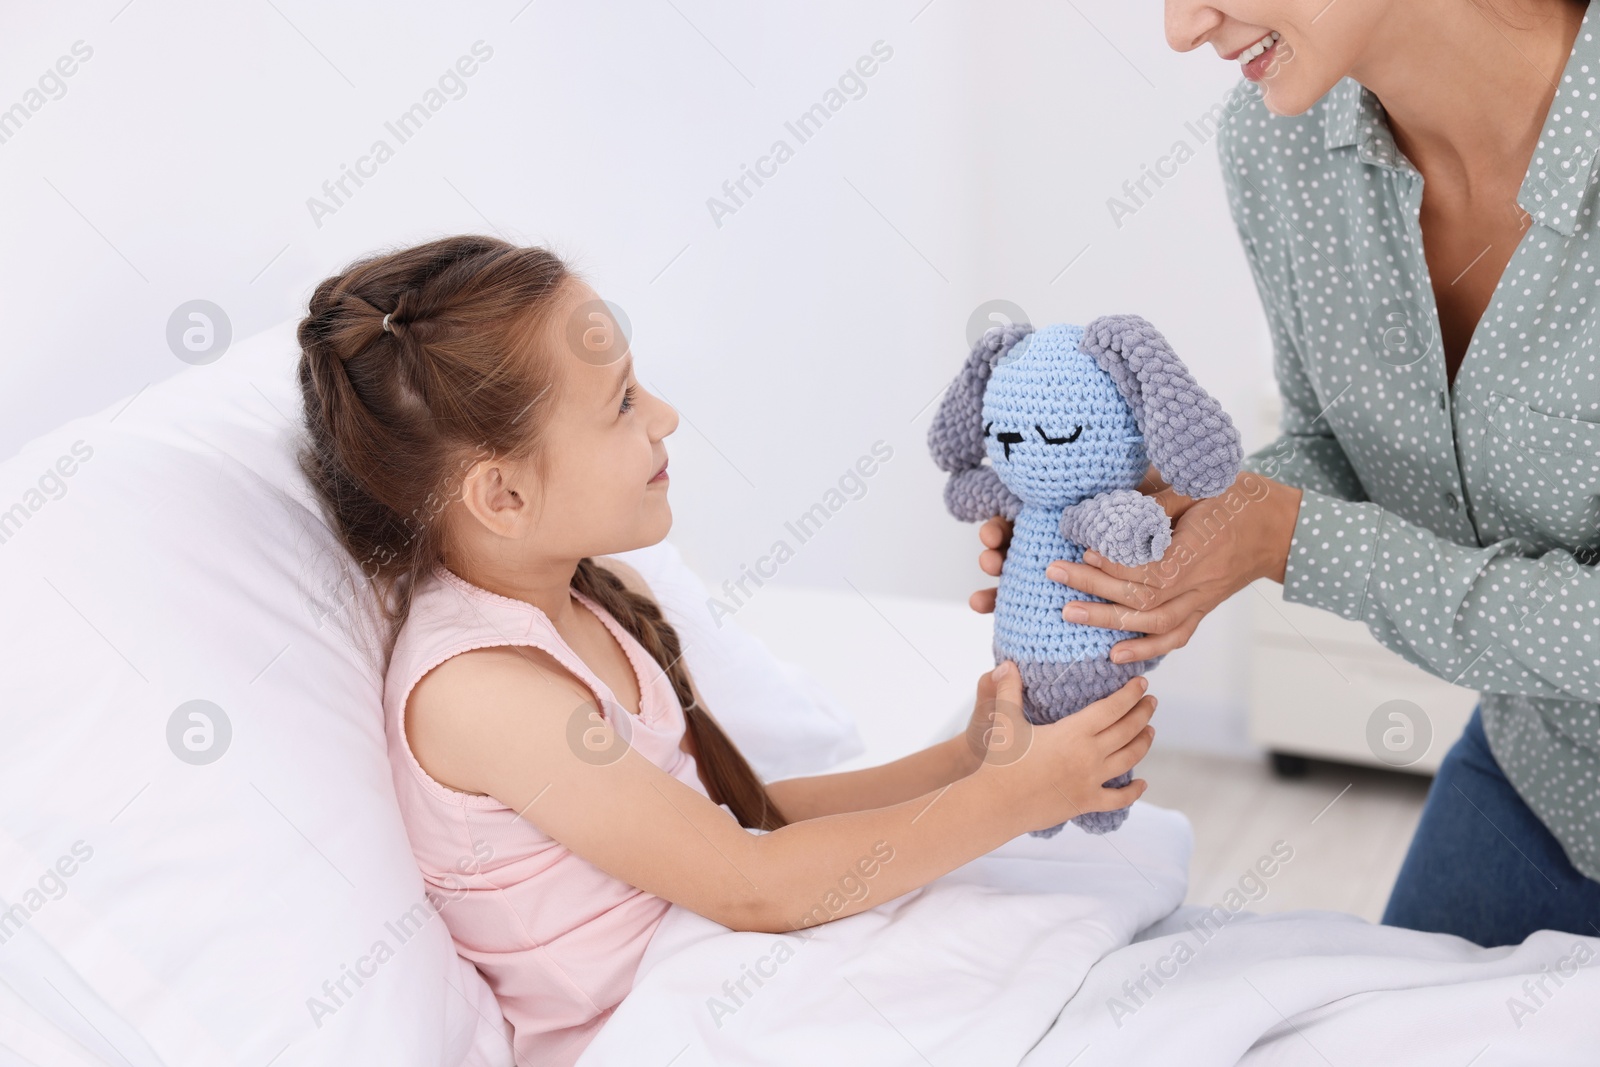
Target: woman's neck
<point>1464,92</point>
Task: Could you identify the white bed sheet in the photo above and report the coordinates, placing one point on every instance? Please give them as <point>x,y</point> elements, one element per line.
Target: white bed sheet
<point>1048,954</point>
<point>1321,988</point>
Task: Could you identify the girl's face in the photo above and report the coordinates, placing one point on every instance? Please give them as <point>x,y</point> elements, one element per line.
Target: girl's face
<point>603,487</point>
<point>605,449</point>
<point>1319,41</point>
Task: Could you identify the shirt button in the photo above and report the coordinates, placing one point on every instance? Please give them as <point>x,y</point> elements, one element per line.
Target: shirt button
<point>1450,501</point>
<point>1444,401</point>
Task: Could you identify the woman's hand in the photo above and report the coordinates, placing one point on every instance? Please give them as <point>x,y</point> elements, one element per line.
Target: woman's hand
<point>1219,545</point>
<point>996,535</point>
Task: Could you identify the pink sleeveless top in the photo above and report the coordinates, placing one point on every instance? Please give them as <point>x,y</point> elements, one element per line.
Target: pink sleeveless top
<point>558,940</point>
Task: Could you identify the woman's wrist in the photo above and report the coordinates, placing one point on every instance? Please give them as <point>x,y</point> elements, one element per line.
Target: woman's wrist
<point>1279,514</point>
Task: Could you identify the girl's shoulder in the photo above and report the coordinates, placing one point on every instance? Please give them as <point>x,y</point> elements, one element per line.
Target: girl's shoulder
<point>477,701</point>
<point>485,693</point>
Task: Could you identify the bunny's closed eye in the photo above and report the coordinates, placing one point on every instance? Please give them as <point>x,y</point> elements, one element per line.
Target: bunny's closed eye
<point>1067,440</point>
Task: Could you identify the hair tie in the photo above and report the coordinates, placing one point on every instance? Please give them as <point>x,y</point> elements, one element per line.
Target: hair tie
<point>386,326</point>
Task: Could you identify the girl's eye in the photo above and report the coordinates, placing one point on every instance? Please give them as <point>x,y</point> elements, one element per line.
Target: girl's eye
<point>628,397</point>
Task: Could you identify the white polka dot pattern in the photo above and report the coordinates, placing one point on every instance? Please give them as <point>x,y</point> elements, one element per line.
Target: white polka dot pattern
<point>1460,523</point>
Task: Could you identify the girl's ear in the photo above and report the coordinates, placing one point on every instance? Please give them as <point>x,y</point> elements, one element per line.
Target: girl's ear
<point>490,495</point>
<point>955,437</point>
<point>1190,439</point>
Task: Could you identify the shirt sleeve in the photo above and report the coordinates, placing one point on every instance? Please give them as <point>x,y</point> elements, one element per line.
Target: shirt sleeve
<point>1491,618</point>
<point>1305,454</point>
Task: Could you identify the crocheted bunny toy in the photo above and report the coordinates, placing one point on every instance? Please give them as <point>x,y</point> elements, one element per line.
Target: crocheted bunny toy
<point>1069,419</point>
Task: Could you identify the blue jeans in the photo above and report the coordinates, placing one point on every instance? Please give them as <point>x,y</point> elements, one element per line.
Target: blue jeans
<point>1482,866</point>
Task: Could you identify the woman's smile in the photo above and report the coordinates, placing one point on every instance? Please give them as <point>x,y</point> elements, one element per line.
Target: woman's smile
<point>1258,57</point>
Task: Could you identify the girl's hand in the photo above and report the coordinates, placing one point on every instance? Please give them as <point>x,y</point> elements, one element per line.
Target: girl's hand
<point>1219,546</point>
<point>992,722</point>
<point>1058,771</point>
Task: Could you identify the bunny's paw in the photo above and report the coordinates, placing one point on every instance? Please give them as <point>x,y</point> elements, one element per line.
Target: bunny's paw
<point>1125,526</point>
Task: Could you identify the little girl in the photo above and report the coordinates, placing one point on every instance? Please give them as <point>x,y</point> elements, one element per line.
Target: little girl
<point>480,441</point>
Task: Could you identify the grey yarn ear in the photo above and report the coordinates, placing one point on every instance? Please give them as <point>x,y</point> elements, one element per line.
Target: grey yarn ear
<point>955,437</point>
<point>1191,441</point>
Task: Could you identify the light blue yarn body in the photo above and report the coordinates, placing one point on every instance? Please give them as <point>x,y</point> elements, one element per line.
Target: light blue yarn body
<point>1028,627</point>
<point>1046,383</point>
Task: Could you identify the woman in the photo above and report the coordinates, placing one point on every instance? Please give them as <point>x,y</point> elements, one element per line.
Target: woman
<point>1411,180</point>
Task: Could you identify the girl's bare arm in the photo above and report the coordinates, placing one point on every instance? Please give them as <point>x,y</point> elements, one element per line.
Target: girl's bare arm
<point>875,787</point>
<point>814,796</point>
<point>501,721</point>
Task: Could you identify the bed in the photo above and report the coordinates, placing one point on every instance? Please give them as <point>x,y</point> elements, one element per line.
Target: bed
<point>202,863</point>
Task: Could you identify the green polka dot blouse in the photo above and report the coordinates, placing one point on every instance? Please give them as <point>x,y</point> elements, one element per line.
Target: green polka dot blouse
<point>1460,523</point>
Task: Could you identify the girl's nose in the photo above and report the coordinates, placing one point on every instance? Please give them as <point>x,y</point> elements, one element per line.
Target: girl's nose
<point>668,418</point>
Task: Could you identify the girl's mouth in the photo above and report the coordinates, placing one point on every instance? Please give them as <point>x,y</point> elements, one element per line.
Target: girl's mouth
<point>660,475</point>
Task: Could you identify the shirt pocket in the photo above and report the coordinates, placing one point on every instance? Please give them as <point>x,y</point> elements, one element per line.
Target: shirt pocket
<point>1546,474</point>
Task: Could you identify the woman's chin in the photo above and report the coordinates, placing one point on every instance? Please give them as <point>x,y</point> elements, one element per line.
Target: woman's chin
<point>1285,100</point>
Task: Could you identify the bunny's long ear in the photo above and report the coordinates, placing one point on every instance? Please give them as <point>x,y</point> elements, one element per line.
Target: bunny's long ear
<point>1190,439</point>
<point>955,437</point>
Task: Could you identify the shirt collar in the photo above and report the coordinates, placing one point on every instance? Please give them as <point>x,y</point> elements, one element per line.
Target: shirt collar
<point>1558,174</point>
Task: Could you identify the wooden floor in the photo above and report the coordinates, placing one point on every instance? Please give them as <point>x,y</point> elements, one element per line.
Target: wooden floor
<point>1348,828</point>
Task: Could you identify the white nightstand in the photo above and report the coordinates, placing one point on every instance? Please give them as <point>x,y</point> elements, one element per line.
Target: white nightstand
<point>1323,687</point>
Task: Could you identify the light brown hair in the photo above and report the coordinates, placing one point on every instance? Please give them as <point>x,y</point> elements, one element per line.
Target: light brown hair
<point>394,416</point>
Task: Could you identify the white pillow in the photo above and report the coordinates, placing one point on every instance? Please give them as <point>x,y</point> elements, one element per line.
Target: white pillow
<point>252,909</point>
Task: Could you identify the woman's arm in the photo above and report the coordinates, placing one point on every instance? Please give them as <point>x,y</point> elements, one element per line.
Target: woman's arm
<point>1487,618</point>
<point>1305,454</point>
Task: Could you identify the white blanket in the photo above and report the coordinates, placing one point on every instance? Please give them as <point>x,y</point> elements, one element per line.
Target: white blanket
<point>1321,988</point>
<point>972,968</point>
<point>1028,957</point>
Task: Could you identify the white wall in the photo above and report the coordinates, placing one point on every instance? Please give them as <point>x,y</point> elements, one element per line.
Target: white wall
<point>825,314</point>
